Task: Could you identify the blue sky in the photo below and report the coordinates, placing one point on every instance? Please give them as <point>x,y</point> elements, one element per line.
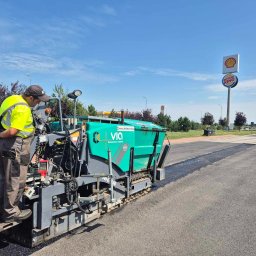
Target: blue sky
<point>128,54</point>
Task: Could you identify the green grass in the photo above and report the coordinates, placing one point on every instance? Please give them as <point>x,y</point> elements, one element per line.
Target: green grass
<point>198,133</point>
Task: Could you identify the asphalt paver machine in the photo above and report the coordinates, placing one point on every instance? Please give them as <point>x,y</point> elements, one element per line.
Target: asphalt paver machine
<point>76,175</point>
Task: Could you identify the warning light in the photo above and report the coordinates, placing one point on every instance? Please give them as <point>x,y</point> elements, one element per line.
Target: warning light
<point>43,168</point>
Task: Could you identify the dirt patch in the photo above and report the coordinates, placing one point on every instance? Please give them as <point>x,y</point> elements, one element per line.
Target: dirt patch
<point>201,138</point>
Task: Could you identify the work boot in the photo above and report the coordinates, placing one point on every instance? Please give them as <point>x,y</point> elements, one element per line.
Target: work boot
<point>8,220</point>
<point>23,215</point>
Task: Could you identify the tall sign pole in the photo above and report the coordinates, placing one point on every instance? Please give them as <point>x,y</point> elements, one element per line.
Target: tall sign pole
<point>230,66</point>
<point>228,106</point>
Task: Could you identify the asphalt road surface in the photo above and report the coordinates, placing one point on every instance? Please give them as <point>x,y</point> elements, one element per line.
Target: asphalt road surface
<point>206,206</point>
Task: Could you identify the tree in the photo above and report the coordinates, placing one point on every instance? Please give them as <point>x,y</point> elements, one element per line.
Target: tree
<point>80,109</point>
<point>184,124</point>
<point>133,115</point>
<point>174,127</point>
<point>240,120</point>
<point>59,92</point>
<point>114,114</point>
<point>147,115</point>
<point>163,120</point>
<point>67,104</point>
<point>207,119</point>
<point>223,122</point>
<point>195,125</point>
<point>5,91</point>
<point>91,110</point>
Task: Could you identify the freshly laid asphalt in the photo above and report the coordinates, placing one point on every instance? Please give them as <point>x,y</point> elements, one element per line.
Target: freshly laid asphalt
<point>206,206</point>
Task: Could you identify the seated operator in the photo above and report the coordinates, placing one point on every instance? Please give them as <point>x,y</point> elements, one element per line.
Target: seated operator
<point>16,133</point>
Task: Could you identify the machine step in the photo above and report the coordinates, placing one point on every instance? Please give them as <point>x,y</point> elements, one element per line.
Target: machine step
<point>4,226</point>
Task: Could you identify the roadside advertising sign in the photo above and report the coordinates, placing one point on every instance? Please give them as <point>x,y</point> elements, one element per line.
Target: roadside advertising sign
<point>231,64</point>
<point>229,80</point>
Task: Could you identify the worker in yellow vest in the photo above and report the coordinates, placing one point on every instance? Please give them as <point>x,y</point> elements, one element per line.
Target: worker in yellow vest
<point>16,133</point>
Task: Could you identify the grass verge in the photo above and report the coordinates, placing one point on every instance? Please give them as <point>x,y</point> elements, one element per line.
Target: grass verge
<point>198,133</point>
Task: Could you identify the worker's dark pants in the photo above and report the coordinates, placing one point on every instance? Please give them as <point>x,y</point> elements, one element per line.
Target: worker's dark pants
<point>14,160</point>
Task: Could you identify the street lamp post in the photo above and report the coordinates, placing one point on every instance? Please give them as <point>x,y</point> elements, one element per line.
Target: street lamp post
<point>220,111</point>
<point>29,78</point>
<point>73,95</point>
<point>146,101</point>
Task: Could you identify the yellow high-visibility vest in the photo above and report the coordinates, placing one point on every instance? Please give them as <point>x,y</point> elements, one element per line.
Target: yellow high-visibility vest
<point>17,114</point>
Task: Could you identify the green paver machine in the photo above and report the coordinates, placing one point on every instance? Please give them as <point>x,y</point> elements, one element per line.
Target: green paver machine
<point>77,175</point>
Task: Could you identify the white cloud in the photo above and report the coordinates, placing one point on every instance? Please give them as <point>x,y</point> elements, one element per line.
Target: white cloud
<point>92,21</point>
<point>189,75</point>
<point>7,38</point>
<point>106,9</point>
<point>55,35</point>
<point>8,23</point>
<point>173,73</point>
<point>35,63</point>
<point>214,97</point>
<point>24,61</point>
<point>132,73</point>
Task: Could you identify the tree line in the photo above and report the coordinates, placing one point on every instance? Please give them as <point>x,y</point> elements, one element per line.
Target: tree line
<point>182,124</point>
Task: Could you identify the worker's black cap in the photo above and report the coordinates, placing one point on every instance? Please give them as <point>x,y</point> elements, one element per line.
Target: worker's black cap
<point>37,91</point>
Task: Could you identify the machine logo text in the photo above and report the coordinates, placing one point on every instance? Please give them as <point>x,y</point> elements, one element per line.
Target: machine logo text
<point>117,136</point>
